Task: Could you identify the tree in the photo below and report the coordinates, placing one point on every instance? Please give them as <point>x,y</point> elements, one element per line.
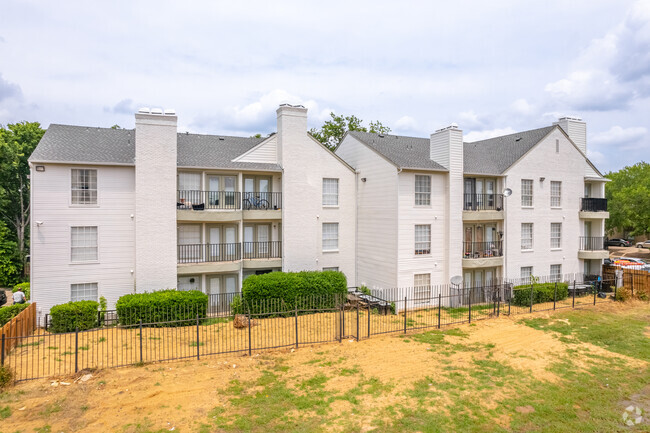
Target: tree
<point>628,196</point>
<point>332,132</point>
<point>17,142</point>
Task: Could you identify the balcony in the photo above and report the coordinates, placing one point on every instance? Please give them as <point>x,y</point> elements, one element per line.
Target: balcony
<point>204,253</point>
<point>481,207</point>
<point>482,254</point>
<point>592,248</point>
<point>262,201</point>
<point>263,250</point>
<point>202,200</point>
<point>593,208</point>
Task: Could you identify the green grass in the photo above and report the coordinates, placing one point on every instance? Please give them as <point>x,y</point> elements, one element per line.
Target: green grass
<point>5,412</point>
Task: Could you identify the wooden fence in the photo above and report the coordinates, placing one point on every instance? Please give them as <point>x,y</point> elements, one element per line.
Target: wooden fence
<point>22,325</point>
<point>635,279</point>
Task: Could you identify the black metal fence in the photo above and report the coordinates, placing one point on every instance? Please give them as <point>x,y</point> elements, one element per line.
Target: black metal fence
<point>201,200</point>
<point>483,202</point>
<point>199,253</point>
<point>589,204</point>
<point>476,250</point>
<point>233,325</point>
<point>262,200</point>
<point>263,250</point>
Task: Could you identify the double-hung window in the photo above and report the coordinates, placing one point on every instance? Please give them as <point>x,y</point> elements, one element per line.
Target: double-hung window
<point>83,186</point>
<point>556,273</point>
<point>330,192</point>
<point>556,235</point>
<point>527,236</point>
<point>423,239</point>
<point>526,192</point>
<point>83,244</point>
<point>556,194</point>
<point>526,272</point>
<point>422,190</point>
<point>83,292</point>
<point>422,287</point>
<point>330,236</point>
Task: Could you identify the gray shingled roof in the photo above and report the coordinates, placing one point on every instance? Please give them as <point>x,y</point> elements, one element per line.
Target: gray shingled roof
<point>66,143</point>
<point>404,152</point>
<point>496,155</point>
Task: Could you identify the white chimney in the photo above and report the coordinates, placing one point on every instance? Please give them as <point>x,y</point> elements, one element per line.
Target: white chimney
<point>292,127</point>
<point>576,129</point>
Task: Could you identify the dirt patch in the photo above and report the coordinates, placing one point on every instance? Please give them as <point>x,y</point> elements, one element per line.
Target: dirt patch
<point>525,409</point>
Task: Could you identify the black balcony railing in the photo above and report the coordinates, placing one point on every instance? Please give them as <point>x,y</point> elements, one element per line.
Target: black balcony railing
<point>483,202</point>
<point>262,200</point>
<point>593,204</point>
<point>263,250</point>
<point>592,243</point>
<point>480,250</point>
<point>201,200</point>
<point>201,253</point>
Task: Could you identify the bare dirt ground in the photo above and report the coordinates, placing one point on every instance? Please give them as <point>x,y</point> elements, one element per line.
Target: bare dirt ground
<point>634,252</point>
<point>176,396</point>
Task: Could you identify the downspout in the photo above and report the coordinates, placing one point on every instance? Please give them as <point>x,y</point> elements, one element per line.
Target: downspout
<point>356,229</point>
<point>399,170</point>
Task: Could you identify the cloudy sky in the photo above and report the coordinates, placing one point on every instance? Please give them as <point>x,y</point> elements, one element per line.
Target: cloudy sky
<point>492,67</point>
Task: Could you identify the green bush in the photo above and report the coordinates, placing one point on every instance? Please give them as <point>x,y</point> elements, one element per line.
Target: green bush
<point>80,315</point>
<point>237,306</point>
<point>8,313</point>
<point>162,308</point>
<point>312,289</point>
<point>542,292</point>
<point>24,286</point>
<point>6,376</point>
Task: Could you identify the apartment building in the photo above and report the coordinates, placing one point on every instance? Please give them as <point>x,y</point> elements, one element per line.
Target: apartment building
<point>523,204</point>
<point>118,211</point>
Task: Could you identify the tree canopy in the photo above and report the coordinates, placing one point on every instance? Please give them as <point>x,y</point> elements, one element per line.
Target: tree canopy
<point>17,142</point>
<point>628,196</point>
<point>332,131</point>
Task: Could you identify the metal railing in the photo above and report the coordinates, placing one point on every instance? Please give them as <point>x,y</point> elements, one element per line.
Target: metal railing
<point>592,243</point>
<point>479,250</point>
<point>262,200</point>
<point>483,202</point>
<point>201,200</point>
<point>201,253</point>
<point>593,204</point>
<point>263,250</point>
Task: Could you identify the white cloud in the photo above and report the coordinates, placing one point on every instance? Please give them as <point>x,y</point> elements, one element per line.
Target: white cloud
<point>521,106</point>
<point>484,135</point>
<point>622,138</point>
<point>596,157</point>
<point>405,124</point>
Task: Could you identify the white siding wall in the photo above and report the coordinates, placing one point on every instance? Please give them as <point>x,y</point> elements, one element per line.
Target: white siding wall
<point>543,161</point>
<point>436,215</point>
<point>305,163</point>
<point>265,152</point>
<point>52,272</point>
<point>377,214</point>
<point>155,212</point>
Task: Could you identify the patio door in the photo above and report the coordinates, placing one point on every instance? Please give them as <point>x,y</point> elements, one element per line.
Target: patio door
<point>189,241</point>
<point>489,191</point>
<point>469,194</point>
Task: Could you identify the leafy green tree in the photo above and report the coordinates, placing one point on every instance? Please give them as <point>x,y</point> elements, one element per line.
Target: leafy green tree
<point>10,264</point>
<point>17,142</point>
<point>332,131</point>
<point>628,196</point>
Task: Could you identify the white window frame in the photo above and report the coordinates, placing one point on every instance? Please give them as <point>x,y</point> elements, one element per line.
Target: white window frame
<point>88,244</point>
<point>527,192</point>
<point>422,190</point>
<point>83,183</point>
<point>85,288</point>
<point>330,237</point>
<point>527,241</point>
<point>526,272</point>
<point>556,194</point>
<point>330,191</point>
<point>556,236</point>
<point>556,273</point>
<point>331,268</point>
<point>422,236</point>
<point>421,287</point>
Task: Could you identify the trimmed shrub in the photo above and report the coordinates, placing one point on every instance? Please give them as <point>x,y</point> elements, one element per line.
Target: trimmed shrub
<point>68,317</point>
<point>312,289</point>
<point>24,286</point>
<point>6,376</point>
<point>162,308</point>
<point>542,292</point>
<point>8,313</point>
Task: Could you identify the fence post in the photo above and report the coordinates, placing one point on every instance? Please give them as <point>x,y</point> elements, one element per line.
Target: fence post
<point>615,288</point>
<point>439,308</point>
<point>405,314</point>
<point>368,320</point>
<point>296,303</point>
<point>632,280</point>
<point>469,302</point>
<point>531,297</point>
<point>509,302</point>
<point>498,304</point>
<point>250,340</point>
<point>76,349</point>
<point>99,315</point>
<point>2,351</point>
<point>595,292</point>
<point>554,295</point>
<point>574,294</point>
<point>342,321</point>
<point>357,321</point>
<point>198,345</point>
<point>140,341</point>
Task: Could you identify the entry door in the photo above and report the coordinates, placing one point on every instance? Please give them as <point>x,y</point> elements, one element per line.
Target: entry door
<point>249,188</point>
<point>216,250</point>
<point>588,229</point>
<point>265,189</point>
<point>469,194</point>
<point>214,192</point>
<point>230,236</point>
<point>249,238</point>
<point>263,238</point>
<point>587,190</point>
<point>189,241</point>
<point>218,302</point>
<point>489,190</point>
<point>231,283</point>
<point>229,183</point>
<point>480,198</point>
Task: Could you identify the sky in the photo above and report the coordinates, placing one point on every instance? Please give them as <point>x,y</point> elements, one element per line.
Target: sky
<point>493,67</point>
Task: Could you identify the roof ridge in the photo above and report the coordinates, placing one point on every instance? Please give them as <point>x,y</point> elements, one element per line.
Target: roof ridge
<point>510,135</point>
